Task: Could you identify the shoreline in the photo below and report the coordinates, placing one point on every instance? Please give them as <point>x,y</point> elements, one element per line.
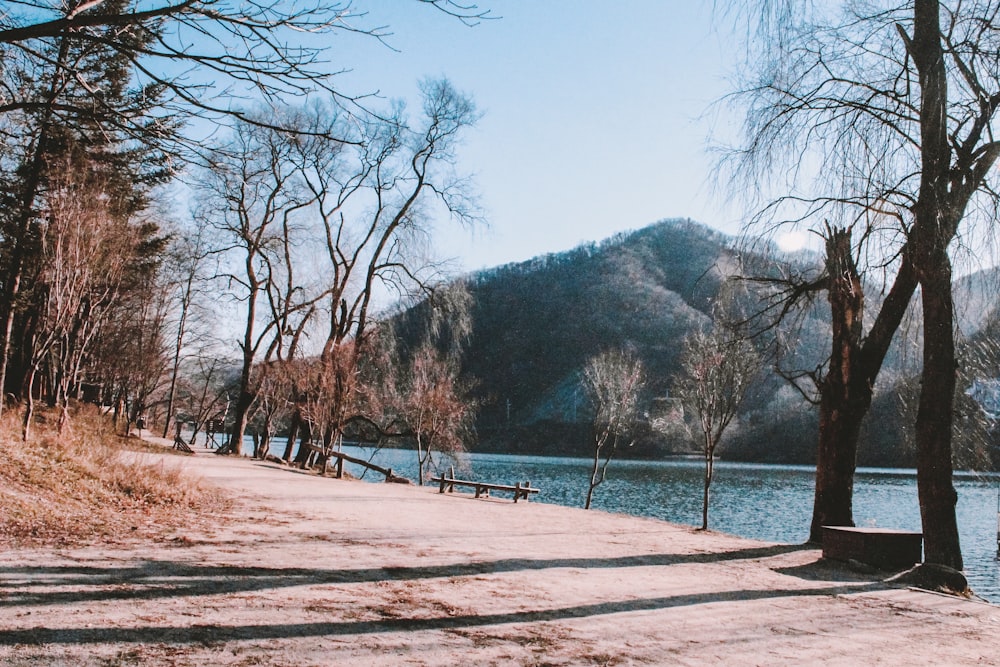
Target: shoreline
<point>316,571</point>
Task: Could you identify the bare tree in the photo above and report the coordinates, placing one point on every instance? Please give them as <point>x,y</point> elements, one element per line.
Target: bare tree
<point>613,380</point>
<point>373,197</point>
<point>188,263</point>
<point>273,406</point>
<point>133,73</point>
<point>419,388</point>
<point>202,391</point>
<point>435,410</point>
<point>288,203</point>
<point>189,58</point>
<point>252,198</point>
<point>717,368</point>
<point>879,117</point>
<point>85,253</point>
<point>844,386</point>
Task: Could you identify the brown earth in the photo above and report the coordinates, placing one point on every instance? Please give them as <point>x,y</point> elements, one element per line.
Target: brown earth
<point>312,571</point>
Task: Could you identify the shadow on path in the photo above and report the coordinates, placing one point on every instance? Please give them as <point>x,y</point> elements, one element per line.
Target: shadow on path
<point>150,580</point>
<point>213,634</point>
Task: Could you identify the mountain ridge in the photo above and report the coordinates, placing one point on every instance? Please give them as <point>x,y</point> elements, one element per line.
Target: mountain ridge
<point>535,323</point>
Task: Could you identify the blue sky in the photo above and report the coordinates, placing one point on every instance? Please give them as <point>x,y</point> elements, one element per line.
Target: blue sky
<point>596,114</point>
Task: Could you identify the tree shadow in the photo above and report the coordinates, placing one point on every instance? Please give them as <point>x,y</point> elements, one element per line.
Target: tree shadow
<point>155,579</point>
<point>213,634</point>
<point>825,569</point>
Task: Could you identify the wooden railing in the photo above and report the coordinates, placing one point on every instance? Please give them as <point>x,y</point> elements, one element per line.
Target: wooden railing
<point>341,457</point>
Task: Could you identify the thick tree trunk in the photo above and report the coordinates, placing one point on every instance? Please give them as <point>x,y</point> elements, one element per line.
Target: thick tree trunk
<point>305,438</point>
<point>934,423</point>
<point>836,461</point>
<point>846,392</point>
<point>936,216</point>
<point>293,432</point>
<point>241,416</point>
<point>844,400</point>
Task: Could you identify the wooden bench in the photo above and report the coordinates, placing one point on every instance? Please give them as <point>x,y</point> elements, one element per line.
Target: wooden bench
<point>884,548</point>
<point>483,489</point>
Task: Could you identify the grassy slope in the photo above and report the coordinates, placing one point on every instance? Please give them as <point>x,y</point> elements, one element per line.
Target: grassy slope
<point>89,484</point>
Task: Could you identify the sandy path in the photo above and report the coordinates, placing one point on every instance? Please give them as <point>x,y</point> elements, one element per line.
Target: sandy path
<point>329,572</point>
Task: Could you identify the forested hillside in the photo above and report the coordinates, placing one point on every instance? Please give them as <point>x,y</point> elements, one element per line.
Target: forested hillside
<point>535,324</point>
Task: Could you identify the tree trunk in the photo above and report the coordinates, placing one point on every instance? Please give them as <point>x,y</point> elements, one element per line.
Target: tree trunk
<point>936,217</point>
<point>593,479</point>
<point>63,401</point>
<point>844,400</point>
<point>420,462</point>
<point>195,430</point>
<point>293,432</point>
<point>934,423</point>
<point>240,418</point>
<point>29,405</point>
<point>305,437</point>
<point>709,473</point>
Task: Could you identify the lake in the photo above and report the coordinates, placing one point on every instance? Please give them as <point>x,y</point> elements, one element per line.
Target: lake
<point>761,501</point>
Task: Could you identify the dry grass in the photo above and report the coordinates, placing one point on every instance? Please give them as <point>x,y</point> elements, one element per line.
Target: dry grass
<point>88,484</point>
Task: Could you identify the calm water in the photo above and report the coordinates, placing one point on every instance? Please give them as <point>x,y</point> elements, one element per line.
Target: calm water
<point>767,502</point>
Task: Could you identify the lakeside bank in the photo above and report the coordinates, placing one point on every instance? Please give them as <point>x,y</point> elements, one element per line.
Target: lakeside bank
<point>313,571</point>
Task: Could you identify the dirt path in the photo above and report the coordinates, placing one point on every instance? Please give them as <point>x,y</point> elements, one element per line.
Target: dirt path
<point>330,572</point>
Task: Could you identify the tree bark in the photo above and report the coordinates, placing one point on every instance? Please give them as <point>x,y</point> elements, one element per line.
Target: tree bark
<point>293,432</point>
<point>593,479</point>
<point>935,489</point>
<point>847,390</point>
<point>18,242</point>
<point>241,415</point>
<point>934,227</point>
<point>844,400</point>
<point>709,474</point>
<point>29,405</point>
<point>305,438</point>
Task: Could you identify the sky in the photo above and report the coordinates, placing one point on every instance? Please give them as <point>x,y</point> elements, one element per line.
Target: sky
<point>597,116</point>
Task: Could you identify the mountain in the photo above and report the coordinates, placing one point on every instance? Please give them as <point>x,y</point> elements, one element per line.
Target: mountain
<point>536,323</point>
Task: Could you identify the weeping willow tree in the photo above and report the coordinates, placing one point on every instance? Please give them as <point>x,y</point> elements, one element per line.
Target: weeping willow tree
<point>879,117</point>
